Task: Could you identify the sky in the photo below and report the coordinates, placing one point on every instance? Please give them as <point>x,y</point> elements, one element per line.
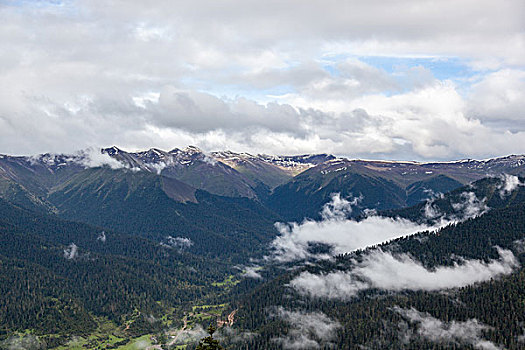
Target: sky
<point>398,79</point>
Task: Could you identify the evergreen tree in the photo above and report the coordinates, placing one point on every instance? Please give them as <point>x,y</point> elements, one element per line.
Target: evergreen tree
<point>208,343</point>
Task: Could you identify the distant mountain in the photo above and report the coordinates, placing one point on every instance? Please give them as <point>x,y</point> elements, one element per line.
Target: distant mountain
<point>191,166</point>
<point>382,184</point>
<point>223,173</point>
<point>294,187</point>
<point>270,170</point>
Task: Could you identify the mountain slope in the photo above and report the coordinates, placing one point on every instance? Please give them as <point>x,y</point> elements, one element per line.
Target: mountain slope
<point>270,171</point>
<point>472,200</point>
<point>383,185</point>
<point>141,203</point>
<point>376,318</point>
<point>57,275</point>
<point>307,193</point>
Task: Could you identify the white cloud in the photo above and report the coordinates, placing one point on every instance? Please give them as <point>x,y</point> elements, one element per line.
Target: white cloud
<point>307,330</point>
<point>435,330</point>
<point>519,245</point>
<point>338,208</point>
<point>192,335</point>
<point>102,237</point>
<point>509,184</point>
<point>430,211</point>
<point>234,335</point>
<point>343,235</point>
<point>24,342</point>
<point>71,252</point>
<point>521,338</point>
<point>170,74</point>
<point>180,243</point>
<point>251,272</point>
<point>470,205</point>
<point>92,158</point>
<point>385,271</point>
<point>499,96</point>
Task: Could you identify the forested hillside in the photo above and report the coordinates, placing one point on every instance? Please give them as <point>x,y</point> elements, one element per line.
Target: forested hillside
<point>152,206</point>
<point>364,310</point>
<point>58,276</point>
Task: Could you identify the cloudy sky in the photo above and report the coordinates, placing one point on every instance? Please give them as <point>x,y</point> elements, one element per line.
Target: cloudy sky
<point>400,79</point>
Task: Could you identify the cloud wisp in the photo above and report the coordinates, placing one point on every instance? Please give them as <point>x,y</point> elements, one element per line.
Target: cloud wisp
<point>102,237</point>
<point>435,330</point>
<point>92,157</point>
<point>382,270</point>
<point>179,243</point>
<point>509,184</point>
<point>22,342</point>
<point>307,330</point>
<point>467,206</point>
<point>71,252</point>
<point>252,272</point>
<point>470,206</point>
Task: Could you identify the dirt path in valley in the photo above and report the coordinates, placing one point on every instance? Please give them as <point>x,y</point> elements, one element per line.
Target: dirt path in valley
<point>178,333</point>
<point>220,323</point>
<point>231,317</point>
<point>185,320</point>
<point>229,320</point>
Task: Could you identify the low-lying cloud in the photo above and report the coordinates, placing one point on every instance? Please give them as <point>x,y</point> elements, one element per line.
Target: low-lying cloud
<point>252,272</point>
<point>435,330</point>
<point>335,230</point>
<point>92,158</point>
<point>102,237</point>
<point>509,184</point>
<point>24,342</point>
<point>180,243</point>
<point>192,334</point>
<point>307,330</point>
<point>467,206</point>
<point>470,205</point>
<point>234,335</point>
<point>383,270</point>
<point>71,252</point>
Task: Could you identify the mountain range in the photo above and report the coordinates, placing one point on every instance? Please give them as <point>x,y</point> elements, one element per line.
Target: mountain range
<point>268,179</point>
<point>109,246</point>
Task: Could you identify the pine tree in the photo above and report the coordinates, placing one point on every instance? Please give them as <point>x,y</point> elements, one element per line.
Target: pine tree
<point>208,343</point>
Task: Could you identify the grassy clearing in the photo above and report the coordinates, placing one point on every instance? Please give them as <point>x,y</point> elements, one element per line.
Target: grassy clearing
<point>137,343</point>
<point>209,308</point>
<point>228,282</point>
<point>109,335</point>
